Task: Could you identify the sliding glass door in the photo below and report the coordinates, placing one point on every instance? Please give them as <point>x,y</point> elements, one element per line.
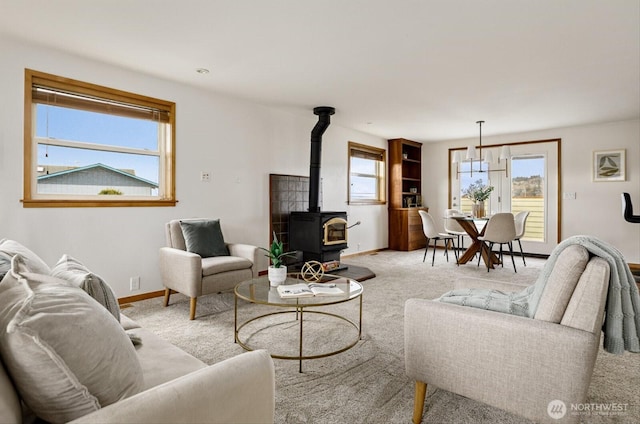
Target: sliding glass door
<point>529,180</point>
<point>528,193</point>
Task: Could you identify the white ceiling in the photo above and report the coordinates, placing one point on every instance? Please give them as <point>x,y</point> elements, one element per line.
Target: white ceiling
<point>421,69</point>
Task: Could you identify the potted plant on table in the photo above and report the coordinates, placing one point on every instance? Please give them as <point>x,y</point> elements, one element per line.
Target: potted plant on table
<point>277,272</point>
<point>478,192</point>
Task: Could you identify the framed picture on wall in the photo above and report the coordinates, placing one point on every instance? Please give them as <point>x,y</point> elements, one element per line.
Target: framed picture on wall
<point>609,165</point>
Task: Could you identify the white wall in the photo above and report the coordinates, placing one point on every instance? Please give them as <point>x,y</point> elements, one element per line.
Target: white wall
<point>239,142</point>
<point>597,208</point>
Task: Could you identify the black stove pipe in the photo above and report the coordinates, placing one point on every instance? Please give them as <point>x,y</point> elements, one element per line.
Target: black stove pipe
<point>323,112</point>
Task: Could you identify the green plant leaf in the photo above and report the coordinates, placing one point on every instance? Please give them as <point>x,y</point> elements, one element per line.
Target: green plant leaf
<point>276,252</point>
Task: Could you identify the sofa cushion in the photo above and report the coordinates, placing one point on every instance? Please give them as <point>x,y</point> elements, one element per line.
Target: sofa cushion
<point>218,264</point>
<point>127,323</point>
<point>31,260</point>
<point>5,264</point>
<point>71,270</point>
<point>10,410</point>
<point>204,237</point>
<point>65,353</point>
<point>561,283</point>
<point>161,361</point>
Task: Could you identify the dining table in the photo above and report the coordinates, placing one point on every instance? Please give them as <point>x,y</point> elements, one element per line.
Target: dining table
<point>468,224</point>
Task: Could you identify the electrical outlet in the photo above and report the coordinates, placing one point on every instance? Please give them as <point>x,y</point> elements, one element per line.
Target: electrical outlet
<point>134,283</point>
<point>205,176</point>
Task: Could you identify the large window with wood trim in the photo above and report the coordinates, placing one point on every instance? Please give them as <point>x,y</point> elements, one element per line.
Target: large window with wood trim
<point>89,145</point>
<point>367,183</point>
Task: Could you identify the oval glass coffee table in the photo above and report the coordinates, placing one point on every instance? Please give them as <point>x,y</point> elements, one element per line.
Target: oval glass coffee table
<point>258,291</point>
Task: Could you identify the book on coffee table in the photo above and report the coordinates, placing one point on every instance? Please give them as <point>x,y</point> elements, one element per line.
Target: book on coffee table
<point>308,290</point>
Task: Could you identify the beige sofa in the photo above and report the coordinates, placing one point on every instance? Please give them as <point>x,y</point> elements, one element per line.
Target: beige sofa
<point>63,352</point>
<point>179,389</point>
<point>182,389</point>
<point>534,367</point>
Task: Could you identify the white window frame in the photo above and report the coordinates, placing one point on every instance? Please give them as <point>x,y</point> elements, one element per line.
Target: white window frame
<point>85,94</point>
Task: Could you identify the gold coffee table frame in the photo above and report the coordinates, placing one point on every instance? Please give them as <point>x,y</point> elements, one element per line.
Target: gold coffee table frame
<point>258,291</point>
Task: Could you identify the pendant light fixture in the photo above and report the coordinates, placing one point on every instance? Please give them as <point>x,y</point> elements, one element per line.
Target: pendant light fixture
<point>505,154</point>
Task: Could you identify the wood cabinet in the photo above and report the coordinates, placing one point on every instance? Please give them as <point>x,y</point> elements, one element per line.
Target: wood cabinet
<point>405,229</point>
<point>405,195</point>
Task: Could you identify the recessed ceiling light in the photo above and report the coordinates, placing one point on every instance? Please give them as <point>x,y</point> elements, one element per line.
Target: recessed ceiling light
<point>202,71</point>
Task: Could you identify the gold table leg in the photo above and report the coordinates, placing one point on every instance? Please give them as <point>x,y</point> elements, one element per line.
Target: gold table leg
<point>300,361</point>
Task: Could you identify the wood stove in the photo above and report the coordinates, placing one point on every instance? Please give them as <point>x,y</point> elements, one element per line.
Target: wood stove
<point>320,235</point>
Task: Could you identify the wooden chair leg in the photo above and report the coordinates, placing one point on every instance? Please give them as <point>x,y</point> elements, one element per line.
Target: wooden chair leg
<point>418,401</point>
<point>167,294</point>
<point>192,308</point>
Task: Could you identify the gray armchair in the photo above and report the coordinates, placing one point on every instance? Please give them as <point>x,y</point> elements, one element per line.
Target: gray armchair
<point>194,276</point>
<point>515,363</point>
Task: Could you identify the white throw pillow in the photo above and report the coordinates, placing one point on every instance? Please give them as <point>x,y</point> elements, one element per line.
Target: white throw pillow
<point>71,270</point>
<point>65,353</point>
<point>31,260</point>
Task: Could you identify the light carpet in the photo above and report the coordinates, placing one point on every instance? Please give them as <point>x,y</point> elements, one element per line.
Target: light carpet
<point>367,383</point>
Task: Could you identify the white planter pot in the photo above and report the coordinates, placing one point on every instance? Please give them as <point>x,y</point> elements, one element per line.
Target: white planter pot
<point>277,275</point>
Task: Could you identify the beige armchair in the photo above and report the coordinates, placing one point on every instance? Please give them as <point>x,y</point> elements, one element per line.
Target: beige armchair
<point>192,275</point>
<point>515,363</point>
